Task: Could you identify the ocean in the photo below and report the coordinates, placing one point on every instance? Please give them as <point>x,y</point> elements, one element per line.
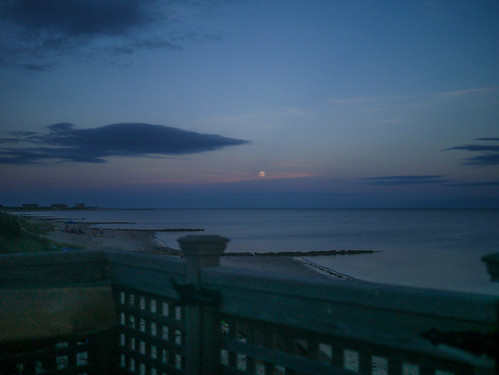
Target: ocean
<point>429,248</point>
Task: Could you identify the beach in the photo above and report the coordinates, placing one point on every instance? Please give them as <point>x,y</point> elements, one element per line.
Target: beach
<point>78,235</point>
<point>84,236</point>
<point>437,249</point>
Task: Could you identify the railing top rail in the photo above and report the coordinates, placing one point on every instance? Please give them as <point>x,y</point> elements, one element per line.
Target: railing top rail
<point>387,316</point>
<point>463,306</point>
<point>163,263</point>
<point>48,258</point>
<point>52,268</point>
<point>439,303</point>
<point>148,272</point>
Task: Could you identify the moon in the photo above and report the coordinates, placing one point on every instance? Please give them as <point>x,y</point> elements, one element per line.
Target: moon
<point>262,174</point>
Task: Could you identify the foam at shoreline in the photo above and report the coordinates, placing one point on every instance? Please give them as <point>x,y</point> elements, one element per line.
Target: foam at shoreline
<point>323,270</point>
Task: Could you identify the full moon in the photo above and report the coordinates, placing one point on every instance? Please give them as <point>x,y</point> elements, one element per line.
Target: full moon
<point>262,174</point>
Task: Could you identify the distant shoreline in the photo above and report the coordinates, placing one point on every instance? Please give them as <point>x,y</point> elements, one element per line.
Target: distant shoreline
<point>96,208</point>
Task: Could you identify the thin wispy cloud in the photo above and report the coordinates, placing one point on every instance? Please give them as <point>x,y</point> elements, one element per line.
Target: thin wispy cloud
<point>38,33</point>
<point>489,153</point>
<point>64,142</point>
<point>405,180</point>
<point>431,95</point>
<point>412,109</point>
<point>459,93</point>
<point>280,117</point>
<point>352,100</point>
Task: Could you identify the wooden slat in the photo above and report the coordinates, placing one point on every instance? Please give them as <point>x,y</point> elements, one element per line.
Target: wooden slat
<point>149,273</point>
<point>54,268</point>
<point>289,361</point>
<point>29,314</point>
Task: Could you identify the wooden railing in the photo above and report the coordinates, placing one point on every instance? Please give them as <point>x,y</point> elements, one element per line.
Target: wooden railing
<point>192,316</point>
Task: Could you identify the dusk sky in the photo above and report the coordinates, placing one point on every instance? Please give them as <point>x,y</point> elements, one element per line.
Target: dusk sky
<point>128,103</point>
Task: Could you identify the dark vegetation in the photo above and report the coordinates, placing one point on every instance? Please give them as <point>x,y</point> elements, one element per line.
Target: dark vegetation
<point>18,235</point>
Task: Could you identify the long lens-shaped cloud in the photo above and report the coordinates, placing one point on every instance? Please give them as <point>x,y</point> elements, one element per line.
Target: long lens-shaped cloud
<point>96,145</point>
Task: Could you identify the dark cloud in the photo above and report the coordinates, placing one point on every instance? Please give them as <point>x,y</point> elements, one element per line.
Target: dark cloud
<point>155,43</point>
<point>95,145</point>
<point>36,33</point>
<point>475,148</point>
<point>405,180</point>
<point>488,159</point>
<point>76,17</point>
<point>489,152</point>
<point>476,184</point>
<point>39,67</point>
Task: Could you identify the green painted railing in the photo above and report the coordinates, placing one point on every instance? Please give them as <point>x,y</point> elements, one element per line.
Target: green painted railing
<point>192,316</point>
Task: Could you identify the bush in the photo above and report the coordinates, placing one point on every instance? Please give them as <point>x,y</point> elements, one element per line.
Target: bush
<point>9,227</point>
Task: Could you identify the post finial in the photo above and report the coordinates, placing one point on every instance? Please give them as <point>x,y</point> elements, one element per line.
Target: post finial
<point>201,251</point>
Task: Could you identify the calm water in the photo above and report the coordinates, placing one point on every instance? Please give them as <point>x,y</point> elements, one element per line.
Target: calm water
<point>435,248</point>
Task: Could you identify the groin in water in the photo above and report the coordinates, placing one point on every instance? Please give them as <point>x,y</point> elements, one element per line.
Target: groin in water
<point>301,253</point>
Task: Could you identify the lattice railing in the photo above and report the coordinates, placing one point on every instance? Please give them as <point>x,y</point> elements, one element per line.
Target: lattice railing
<point>256,347</point>
<point>150,333</point>
<point>75,354</point>
<point>191,316</point>
<point>278,324</point>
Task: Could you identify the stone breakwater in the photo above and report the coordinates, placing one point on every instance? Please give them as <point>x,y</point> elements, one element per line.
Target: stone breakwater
<point>301,253</point>
<point>166,230</point>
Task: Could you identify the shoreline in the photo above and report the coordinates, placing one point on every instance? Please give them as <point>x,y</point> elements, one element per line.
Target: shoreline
<point>77,235</point>
<point>323,270</point>
<point>416,258</point>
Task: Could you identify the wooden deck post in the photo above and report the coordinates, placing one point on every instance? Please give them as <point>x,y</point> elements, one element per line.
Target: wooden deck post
<point>492,262</point>
<point>201,328</point>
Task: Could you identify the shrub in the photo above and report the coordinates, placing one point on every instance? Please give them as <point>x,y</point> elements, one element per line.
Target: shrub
<point>9,227</point>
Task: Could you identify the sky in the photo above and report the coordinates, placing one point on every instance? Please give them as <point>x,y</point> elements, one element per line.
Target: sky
<point>258,103</point>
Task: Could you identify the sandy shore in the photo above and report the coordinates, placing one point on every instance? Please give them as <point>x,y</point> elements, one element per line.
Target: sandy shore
<point>81,235</point>
<point>284,264</point>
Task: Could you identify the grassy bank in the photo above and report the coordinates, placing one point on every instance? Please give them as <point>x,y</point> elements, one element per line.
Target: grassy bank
<point>19,235</point>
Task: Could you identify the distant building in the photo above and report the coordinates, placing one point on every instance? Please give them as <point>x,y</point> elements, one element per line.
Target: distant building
<point>58,206</point>
<point>31,206</point>
<point>80,206</point>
